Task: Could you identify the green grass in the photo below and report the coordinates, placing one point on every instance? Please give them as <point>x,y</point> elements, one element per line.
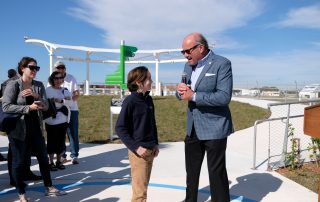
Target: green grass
<point>94,118</point>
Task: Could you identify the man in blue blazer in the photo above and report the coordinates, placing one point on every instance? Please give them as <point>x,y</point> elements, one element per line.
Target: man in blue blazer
<point>208,90</point>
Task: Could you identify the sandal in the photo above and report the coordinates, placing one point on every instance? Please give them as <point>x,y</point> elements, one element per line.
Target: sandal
<point>52,191</point>
<point>22,198</point>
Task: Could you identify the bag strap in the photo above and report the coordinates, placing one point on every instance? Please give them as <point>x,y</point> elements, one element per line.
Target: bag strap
<point>17,92</point>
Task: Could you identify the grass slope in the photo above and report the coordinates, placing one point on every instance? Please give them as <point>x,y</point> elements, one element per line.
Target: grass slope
<point>94,117</point>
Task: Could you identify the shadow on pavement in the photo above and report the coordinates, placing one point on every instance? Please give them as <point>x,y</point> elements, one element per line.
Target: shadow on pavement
<point>81,181</point>
<point>255,186</point>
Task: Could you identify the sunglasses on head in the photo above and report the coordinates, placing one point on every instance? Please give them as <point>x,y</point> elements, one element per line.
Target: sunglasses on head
<point>34,68</point>
<point>61,67</point>
<point>57,78</point>
<point>189,51</point>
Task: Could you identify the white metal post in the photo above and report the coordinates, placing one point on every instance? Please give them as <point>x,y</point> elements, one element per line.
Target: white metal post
<point>88,73</point>
<point>157,74</point>
<point>51,60</point>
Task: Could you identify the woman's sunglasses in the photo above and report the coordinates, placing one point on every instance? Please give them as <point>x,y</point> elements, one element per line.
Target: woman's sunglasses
<point>34,68</point>
<point>58,78</point>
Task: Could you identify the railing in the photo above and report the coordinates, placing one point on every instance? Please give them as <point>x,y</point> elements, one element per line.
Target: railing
<point>283,114</point>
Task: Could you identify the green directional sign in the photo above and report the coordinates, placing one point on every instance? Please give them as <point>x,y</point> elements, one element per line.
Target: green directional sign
<point>118,76</point>
<point>129,51</point>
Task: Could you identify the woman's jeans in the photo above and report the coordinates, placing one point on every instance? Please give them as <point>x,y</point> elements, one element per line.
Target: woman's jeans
<point>73,135</point>
<point>21,151</point>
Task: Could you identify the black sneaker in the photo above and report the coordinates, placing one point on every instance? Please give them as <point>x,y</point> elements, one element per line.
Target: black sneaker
<point>53,167</point>
<point>60,165</point>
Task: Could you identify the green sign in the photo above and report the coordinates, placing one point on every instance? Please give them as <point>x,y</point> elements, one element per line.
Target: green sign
<point>118,76</point>
<point>129,51</point>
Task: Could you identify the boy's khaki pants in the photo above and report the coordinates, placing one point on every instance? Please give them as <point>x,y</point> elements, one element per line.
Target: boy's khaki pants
<point>140,174</point>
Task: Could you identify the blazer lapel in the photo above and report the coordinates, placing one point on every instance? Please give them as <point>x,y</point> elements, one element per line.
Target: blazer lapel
<point>203,72</point>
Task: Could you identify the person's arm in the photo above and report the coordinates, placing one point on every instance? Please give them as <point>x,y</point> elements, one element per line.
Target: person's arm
<point>9,100</point>
<point>156,149</point>
<point>124,127</point>
<point>75,90</point>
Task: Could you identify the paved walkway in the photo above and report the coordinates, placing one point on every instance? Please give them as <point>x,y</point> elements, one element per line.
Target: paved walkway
<point>104,175</point>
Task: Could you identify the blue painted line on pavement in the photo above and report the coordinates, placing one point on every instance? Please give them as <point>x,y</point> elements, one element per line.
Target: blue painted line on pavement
<point>78,184</point>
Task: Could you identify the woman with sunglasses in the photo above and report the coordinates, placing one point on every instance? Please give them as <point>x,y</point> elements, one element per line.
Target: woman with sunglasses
<point>27,97</point>
<point>56,127</point>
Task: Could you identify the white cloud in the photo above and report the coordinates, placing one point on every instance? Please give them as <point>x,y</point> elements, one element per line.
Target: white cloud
<point>305,17</point>
<point>150,24</point>
<point>279,69</point>
<point>162,24</point>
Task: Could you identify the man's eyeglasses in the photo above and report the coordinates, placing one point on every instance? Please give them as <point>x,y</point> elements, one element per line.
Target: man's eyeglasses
<point>189,51</point>
<point>57,78</point>
<point>34,68</point>
<point>61,67</point>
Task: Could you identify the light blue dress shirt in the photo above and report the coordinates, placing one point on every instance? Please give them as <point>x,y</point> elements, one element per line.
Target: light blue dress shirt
<point>196,73</point>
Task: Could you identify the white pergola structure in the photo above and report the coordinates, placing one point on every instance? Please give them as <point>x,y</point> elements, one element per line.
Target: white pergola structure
<point>157,57</point>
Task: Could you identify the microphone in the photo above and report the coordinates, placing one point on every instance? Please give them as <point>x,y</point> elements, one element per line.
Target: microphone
<point>184,78</point>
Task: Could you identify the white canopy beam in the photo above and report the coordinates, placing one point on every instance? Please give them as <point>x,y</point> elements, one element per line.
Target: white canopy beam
<point>52,49</point>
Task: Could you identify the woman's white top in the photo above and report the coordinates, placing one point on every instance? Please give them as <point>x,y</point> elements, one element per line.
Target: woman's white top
<point>61,94</point>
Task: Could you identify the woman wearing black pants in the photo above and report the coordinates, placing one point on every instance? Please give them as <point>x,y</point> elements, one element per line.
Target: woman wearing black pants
<point>27,97</point>
<point>56,126</point>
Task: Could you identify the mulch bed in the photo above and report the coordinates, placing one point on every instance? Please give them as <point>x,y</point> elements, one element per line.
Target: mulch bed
<point>308,175</point>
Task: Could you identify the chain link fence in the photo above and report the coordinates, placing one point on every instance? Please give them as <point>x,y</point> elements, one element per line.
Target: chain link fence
<point>286,117</point>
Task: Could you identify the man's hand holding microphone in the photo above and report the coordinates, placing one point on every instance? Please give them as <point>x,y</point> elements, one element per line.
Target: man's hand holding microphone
<point>184,89</point>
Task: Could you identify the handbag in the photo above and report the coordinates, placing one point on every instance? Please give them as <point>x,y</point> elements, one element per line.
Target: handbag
<point>51,111</point>
<point>8,121</point>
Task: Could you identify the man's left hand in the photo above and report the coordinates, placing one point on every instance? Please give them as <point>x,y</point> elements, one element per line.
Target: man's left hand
<point>187,95</point>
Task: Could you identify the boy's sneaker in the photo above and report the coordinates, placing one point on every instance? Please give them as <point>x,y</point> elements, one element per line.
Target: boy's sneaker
<point>52,191</point>
<point>75,160</point>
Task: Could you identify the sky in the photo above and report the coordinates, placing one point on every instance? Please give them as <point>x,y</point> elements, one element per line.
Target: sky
<point>269,42</point>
